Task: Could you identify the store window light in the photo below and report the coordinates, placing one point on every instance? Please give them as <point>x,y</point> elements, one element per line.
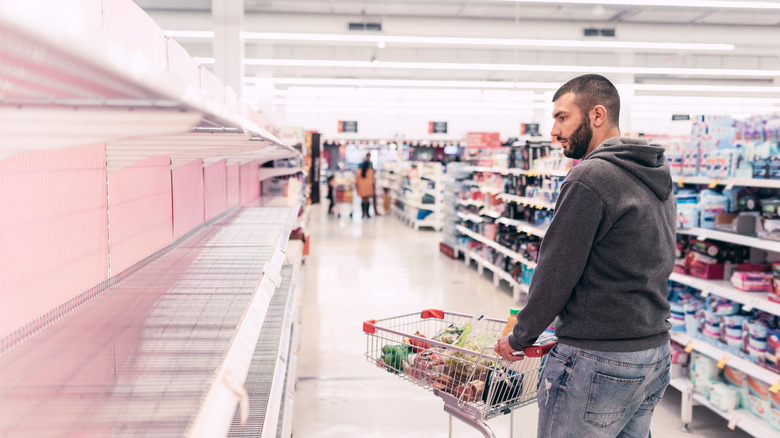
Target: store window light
<point>710,4</point>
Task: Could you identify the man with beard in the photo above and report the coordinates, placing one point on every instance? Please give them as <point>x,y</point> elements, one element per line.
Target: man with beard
<point>602,275</point>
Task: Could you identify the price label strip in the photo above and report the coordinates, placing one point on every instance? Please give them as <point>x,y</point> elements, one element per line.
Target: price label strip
<point>714,183</point>
<point>689,348</point>
<point>680,183</point>
<point>775,388</point>
<point>722,362</point>
<point>733,422</point>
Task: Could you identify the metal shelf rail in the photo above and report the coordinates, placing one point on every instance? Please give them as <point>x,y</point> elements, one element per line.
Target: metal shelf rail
<point>165,352</point>
<point>266,381</point>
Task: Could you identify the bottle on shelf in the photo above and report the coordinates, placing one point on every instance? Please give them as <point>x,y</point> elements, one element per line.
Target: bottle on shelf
<point>510,321</point>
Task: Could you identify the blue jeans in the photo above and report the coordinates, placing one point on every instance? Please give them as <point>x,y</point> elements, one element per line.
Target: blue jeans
<point>587,393</point>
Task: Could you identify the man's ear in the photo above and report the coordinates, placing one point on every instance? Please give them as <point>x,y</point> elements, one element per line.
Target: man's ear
<point>598,115</point>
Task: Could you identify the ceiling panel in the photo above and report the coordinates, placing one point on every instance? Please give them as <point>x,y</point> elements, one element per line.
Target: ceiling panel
<point>765,18</point>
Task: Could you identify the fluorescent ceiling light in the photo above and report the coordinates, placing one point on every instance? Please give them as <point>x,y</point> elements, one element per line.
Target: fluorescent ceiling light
<point>513,42</point>
<point>403,83</point>
<point>707,88</point>
<point>719,4</point>
<point>410,110</point>
<point>189,33</point>
<point>511,67</point>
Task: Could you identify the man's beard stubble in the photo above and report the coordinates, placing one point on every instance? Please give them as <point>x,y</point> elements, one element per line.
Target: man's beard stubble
<point>579,140</point>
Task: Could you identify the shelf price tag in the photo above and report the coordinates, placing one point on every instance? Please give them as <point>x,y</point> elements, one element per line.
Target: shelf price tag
<point>705,293</point>
<point>722,362</point>
<point>747,307</point>
<point>689,348</point>
<point>730,184</point>
<point>775,388</point>
<point>733,422</point>
<point>680,183</point>
<point>714,183</point>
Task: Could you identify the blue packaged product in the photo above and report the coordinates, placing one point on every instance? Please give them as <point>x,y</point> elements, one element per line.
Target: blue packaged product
<point>710,204</point>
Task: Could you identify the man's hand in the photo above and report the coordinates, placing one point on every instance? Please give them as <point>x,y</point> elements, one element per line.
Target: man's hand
<point>505,350</point>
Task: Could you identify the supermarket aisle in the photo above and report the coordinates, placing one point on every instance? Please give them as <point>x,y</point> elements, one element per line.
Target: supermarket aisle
<point>377,268</point>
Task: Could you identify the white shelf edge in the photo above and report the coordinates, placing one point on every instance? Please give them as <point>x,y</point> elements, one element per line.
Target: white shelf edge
<point>267,173</point>
<point>471,202</point>
<point>470,217</point>
<point>218,405</point>
<point>733,360</point>
<point>739,239</point>
<point>498,247</point>
<point>526,201</point>
<point>496,270</point>
<point>489,213</point>
<point>523,226</point>
<point>419,206</point>
<point>741,182</point>
<point>748,421</point>
<point>724,289</point>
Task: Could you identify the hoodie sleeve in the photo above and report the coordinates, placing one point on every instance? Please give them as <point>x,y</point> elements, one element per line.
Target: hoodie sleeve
<point>579,213</point>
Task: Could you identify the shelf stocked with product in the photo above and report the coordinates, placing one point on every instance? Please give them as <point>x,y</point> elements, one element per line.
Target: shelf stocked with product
<point>737,418</point>
<point>507,209</point>
<point>417,193</point>
<point>724,291</point>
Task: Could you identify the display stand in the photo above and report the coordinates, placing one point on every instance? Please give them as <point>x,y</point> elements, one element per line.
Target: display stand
<point>414,183</point>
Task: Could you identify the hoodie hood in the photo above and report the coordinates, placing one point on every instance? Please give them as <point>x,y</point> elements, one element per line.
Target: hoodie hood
<point>639,158</point>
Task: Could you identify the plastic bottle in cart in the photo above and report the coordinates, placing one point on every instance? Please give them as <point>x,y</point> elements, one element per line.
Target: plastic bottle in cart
<point>510,321</point>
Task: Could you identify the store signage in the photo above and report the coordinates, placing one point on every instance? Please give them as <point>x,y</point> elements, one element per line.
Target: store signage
<point>348,126</point>
<point>531,129</point>
<point>482,140</point>
<point>437,127</point>
<point>681,117</point>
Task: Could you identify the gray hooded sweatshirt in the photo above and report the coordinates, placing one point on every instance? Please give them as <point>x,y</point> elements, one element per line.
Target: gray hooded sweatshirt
<point>607,255</point>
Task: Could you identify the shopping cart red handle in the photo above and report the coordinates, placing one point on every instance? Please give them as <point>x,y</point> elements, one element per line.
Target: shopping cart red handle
<point>539,350</point>
<point>368,326</point>
<point>432,313</point>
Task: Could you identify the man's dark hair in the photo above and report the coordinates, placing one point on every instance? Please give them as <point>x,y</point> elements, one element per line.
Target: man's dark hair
<point>591,90</point>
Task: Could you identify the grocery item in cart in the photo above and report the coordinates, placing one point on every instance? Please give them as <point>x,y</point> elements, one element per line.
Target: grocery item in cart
<point>458,365</point>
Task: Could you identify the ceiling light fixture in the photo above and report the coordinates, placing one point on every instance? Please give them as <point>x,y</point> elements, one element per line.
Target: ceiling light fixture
<point>404,83</point>
<point>717,4</point>
<point>514,42</point>
<point>511,67</point>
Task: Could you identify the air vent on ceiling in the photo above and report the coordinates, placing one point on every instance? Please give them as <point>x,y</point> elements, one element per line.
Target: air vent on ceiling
<point>593,32</point>
<point>364,26</point>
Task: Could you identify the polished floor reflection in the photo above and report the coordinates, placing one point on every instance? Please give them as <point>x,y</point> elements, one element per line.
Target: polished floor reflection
<point>376,268</point>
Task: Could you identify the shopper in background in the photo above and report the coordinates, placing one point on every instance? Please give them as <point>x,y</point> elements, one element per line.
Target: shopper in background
<point>602,275</point>
<point>364,184</point>
<point>331,193</point>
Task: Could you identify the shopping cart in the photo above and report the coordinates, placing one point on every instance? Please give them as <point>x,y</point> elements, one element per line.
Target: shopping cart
<point>428,349</point>
<point>343,198</point>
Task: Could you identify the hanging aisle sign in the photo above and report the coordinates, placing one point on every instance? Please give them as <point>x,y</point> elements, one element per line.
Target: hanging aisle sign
<point>437,127</point>
<point>531,129</point>
<point>482,140</point>
<point>348,126</point>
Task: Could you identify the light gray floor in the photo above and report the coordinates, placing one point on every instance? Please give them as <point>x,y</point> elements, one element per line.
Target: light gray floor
<point>360,270</point>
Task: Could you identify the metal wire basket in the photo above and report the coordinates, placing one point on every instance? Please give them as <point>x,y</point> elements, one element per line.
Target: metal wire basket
<point>430,349</point>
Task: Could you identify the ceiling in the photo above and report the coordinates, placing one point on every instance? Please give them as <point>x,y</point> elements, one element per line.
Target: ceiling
<point>278,65</point>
